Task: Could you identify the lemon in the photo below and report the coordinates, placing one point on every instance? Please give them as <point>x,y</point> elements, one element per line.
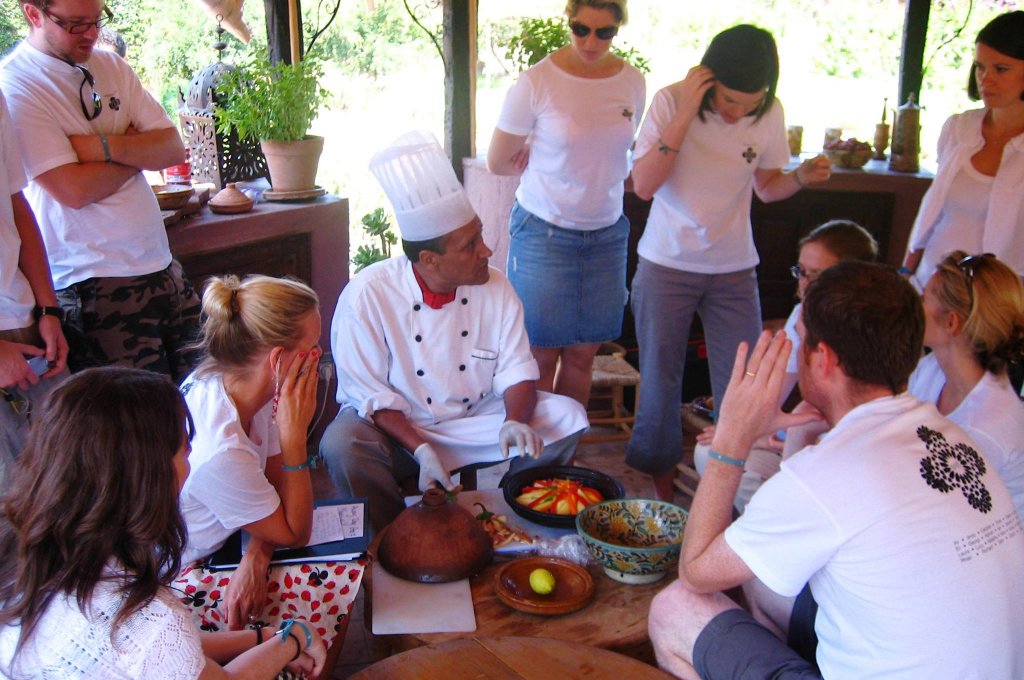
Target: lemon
<point>542,581</point>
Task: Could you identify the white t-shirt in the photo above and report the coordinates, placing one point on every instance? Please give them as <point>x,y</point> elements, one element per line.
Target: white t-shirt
<point>159,642</point>
<point>961,223</point>
<point>991,414</point>
<point>581,130</point>
<point>700,218</point>
<point>917,573</point>
<point>16,298</point>
<point>227,487</point>
<point>121,235</point>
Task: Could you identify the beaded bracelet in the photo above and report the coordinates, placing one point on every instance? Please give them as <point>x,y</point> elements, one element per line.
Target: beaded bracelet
<point>286,630</point>
<point>311,462</point>
<point>728,460</point>
<point>662,146</point>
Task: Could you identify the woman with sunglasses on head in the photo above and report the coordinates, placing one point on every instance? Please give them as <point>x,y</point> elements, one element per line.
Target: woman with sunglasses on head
<point>92,537</point>
<point>566,127</point>
<point>974,325</point>
<point>709,141</point>
<point>975,202</point>
<point>252,399</point>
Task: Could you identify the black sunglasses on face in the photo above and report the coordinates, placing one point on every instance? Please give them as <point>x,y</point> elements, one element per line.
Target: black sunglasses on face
<point>582,31</point>
<point>90,111</point>
<point>80,27</point>
<point>969,265</point>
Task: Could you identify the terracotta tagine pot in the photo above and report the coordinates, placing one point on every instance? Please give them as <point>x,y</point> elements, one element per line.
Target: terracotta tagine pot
<point>230,201</point>
<point>435,541</point>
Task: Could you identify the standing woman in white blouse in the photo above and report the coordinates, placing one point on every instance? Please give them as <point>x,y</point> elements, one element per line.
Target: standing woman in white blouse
<point>974,203</point>
<point>566,127</point>
<point>92,537</point>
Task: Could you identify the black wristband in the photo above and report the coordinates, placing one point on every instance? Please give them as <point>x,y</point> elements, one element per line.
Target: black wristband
<point>39,312</point>
<point>259,634</point>
<point>298,647</point>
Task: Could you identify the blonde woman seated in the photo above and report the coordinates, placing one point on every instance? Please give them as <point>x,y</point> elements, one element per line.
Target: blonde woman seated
<point>252,399</point>
<point>92,536</point>
<point>974,325</point>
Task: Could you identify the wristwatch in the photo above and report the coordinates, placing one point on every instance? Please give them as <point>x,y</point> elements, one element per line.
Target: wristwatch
<point>39,312</point>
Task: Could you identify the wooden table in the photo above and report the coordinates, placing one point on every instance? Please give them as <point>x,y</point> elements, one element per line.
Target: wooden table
<point>616,619</point>
<point>506,658</point>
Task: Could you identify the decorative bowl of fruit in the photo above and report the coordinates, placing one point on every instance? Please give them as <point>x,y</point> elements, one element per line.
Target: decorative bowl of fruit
<point>552,495</point>
<point>848,153</point>
<point>636,540</point>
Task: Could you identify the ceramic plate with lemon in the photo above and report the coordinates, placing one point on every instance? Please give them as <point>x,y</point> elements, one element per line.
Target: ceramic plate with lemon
<point>544,585</point>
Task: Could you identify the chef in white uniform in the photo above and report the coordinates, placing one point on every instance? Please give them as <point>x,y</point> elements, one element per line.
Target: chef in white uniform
<point>434,365</point>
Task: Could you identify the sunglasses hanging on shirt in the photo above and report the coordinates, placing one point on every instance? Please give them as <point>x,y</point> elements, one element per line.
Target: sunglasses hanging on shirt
<point>582,31</point>
<point>94,107</point>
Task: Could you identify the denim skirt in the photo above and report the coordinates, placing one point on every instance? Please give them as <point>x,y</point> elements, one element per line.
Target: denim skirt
<point>572,283</point>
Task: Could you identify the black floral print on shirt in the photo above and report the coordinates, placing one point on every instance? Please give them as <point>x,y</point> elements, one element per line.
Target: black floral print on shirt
<point>954,466</point>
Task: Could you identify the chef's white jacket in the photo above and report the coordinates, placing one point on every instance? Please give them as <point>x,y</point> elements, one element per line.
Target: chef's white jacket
<point>446,369</point>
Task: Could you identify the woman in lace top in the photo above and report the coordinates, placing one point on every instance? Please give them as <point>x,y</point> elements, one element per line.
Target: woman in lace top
<point>92,536</point>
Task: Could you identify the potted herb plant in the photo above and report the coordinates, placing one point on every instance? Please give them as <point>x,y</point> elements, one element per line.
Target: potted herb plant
<point>276,104</point>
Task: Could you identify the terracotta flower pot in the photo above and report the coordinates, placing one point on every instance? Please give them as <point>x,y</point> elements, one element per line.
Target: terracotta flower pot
<point>293,165</point>
<point>435,541</point>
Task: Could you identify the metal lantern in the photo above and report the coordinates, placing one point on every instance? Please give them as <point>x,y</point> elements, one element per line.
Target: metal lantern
<point>216,157</point>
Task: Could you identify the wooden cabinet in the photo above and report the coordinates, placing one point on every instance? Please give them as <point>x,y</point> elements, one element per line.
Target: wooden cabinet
<point>306,240</point>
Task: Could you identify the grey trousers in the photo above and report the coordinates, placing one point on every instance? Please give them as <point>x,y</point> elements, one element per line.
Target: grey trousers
<point>17,405</point>
<point>365,462</point>
<point>664,302</point>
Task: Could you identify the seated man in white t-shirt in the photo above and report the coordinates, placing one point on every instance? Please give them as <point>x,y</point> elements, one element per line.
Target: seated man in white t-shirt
<point>906,536</point>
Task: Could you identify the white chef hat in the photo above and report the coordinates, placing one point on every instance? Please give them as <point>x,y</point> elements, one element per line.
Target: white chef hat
<point>422,187</point>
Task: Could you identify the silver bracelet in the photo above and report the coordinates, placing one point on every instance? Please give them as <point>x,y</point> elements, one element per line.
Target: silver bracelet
<point>106,148</point>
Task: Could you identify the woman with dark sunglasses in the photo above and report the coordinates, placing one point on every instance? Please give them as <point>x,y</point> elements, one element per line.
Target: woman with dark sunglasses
<point>708,143</point>
<point>974,325</point>
<point>566,127</point>
<point>975,203</point>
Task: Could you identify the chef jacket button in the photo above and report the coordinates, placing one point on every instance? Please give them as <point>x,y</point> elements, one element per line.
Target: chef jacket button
<point>465,333</point>
<point>416,308</point>
<point>462,367</point>
<point>419,372</point>
<point>465,301</point>
<point>465,400</point>
<point>429,400</point>
<point>419,338</point>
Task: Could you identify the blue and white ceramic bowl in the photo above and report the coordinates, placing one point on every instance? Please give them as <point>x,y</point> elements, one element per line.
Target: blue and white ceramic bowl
<point>636,540</point>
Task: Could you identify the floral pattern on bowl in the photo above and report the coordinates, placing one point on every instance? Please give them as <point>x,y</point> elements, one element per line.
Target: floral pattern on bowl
<point>636,540</point>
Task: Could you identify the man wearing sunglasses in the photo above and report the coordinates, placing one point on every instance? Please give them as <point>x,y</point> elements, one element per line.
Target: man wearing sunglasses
<point>33,351</point>
<point>87,129</point>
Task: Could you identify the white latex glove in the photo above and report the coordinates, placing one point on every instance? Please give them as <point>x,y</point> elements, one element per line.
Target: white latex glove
<point>431,469</point>
<point>514,433</point>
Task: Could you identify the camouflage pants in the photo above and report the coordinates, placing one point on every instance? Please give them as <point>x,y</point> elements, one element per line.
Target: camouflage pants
<point>144,321</point>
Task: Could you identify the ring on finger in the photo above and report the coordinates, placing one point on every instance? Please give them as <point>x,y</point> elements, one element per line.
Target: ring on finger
<point>752,375</point>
